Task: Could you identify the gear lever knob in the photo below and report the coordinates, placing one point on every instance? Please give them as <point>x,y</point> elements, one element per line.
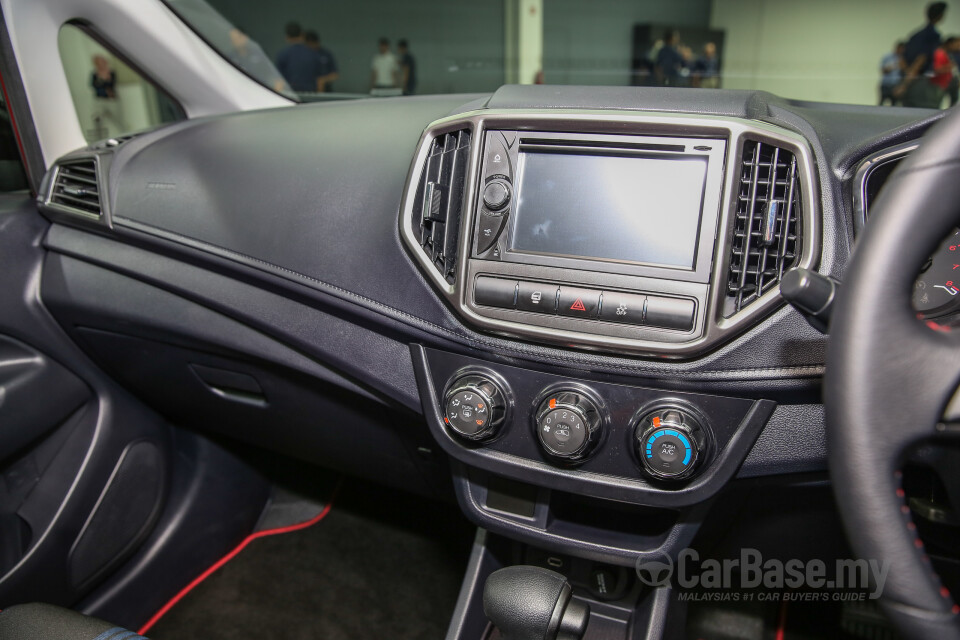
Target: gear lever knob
<point>531,603</point>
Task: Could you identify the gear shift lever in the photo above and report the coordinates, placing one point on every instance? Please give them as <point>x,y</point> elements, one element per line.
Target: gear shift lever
<point>531,603</point>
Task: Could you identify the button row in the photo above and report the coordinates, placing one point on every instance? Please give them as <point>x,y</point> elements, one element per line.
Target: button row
<point>577,302</point>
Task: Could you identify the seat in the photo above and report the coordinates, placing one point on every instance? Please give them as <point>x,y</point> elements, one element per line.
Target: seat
<point>38,621</point>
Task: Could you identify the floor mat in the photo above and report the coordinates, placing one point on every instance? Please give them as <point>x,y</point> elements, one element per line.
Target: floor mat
<point>380,565</point>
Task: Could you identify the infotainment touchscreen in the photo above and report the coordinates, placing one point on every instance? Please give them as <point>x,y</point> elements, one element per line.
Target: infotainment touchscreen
<point>631,207</point>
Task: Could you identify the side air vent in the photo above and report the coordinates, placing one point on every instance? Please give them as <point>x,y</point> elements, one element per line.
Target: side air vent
<point>766,230</point>
<point>439,200</point>
<point>76,187</point>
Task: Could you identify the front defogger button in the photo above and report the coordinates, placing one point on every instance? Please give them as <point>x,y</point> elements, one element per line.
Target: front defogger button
<point>537,297</point>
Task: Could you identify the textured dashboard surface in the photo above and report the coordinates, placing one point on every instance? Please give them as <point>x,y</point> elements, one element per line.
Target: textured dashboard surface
<point>311,195</point>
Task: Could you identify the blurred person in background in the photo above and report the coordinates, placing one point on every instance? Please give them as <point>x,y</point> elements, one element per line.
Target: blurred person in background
<point>107,117</point>
<point>669,63</point>
<point>917,88</point>
<point>706,68</point>
<point>891,74</point>
<point>942,70</point>
<point>326,64</point>
<point>384,69</point>
<point>104,79</point>
<point>250,58</point>
<point>952,46</point>
<point>408,68</point>
<point>297,62</point>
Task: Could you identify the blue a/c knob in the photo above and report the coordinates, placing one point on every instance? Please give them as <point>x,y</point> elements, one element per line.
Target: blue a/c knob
<point>669,442</point>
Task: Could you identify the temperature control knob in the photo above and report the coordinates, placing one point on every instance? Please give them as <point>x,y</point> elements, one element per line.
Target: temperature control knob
<point>568,425</point>
<point>670,442</point>
<point>474,407</point>
<point>496,195</point>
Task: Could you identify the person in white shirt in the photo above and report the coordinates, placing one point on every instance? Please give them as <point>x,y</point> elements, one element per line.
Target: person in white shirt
<point>385,69</point>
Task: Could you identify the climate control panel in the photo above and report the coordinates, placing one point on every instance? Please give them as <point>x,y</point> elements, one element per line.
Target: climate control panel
<point>670,441</point>
<point>565,432</point>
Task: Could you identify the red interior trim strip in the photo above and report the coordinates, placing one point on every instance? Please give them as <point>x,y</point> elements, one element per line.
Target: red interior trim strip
<point>236,550</point>
<point>16,130</point>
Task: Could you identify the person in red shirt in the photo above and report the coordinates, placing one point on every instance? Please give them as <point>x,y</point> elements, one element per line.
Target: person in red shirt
<point>942,69</point>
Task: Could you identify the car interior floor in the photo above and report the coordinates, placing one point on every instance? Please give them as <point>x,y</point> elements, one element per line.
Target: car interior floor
<point>381,563</point>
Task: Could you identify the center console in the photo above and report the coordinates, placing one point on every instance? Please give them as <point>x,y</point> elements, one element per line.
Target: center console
<point>653,234</point>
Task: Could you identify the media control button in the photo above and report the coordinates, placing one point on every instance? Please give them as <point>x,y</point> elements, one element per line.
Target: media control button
<point>622,307</point>
<point>496,160</point>
<point>578,303</point>
<point>496,195</point>
<point>495,292</point>
<point>489,227</point>
<point>537,296</point>
<point>670,313</point>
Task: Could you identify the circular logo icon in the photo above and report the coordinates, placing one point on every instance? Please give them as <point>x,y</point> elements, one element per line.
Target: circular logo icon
<point>655,569</point>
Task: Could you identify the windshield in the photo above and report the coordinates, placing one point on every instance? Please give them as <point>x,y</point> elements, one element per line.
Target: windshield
<point>893,52</point>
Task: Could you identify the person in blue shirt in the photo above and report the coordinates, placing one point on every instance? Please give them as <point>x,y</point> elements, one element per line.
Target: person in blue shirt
<point>408,68</point>
<point>297,62</point>
<point>891,70</point>
<point>670,63</point>
<point>706,68</point>
<point>917,89</point>
<point>326,64</point>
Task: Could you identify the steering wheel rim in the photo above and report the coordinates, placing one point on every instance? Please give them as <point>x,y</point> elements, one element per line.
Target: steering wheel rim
<point>890,376</point>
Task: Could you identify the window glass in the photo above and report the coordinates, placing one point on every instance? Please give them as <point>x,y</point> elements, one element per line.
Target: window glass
<point>843,51</point>
<point>110,97</point>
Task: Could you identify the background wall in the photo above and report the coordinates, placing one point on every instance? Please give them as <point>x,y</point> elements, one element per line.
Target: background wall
<point>458,44</point>
<point>591,42</point>
<point>826,50</point>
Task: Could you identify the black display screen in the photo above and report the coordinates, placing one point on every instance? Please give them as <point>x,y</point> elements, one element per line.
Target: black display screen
<point>631,208</point>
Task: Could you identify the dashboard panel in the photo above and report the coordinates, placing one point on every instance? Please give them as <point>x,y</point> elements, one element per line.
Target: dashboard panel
<point>347,243</point>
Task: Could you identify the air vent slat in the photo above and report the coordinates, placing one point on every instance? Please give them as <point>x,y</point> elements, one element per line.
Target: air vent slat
<point>439,201</point>
<point>76,187</point>
<point>767,234</point>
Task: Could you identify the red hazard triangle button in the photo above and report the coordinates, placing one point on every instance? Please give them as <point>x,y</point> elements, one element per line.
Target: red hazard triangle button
<point>578,302</point>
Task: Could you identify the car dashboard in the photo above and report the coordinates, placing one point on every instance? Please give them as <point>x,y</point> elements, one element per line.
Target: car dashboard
<point>455,288</point>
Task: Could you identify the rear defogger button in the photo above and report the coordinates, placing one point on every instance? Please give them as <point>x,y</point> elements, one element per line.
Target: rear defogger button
<point>538,297</point>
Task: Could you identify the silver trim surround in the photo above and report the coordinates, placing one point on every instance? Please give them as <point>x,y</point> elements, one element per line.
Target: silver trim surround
<point>712,328</point>
<point>867,167</point>
<point>47,203</point>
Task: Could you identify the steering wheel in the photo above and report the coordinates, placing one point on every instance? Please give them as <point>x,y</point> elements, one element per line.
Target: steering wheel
<point>891,376</point>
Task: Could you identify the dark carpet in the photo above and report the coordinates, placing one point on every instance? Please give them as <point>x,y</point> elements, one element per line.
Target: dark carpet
<point>380,565</point>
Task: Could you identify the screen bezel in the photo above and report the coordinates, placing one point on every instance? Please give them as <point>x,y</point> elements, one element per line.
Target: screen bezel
<point>711,149</point>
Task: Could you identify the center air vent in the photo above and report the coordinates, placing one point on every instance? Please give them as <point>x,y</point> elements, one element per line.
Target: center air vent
<point>76,187</point>
<point>439,200</point>
<point>766,229</point>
